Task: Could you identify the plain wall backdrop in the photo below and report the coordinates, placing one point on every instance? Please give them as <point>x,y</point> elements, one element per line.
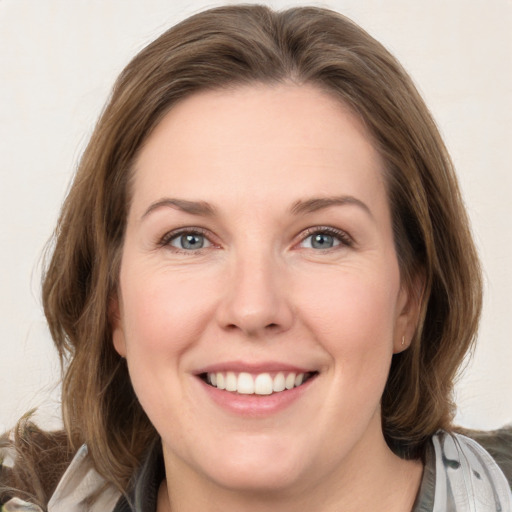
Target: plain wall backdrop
<point>58,61</point>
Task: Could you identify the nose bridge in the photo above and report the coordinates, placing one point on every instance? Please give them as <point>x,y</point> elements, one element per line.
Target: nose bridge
<point>256,300</point>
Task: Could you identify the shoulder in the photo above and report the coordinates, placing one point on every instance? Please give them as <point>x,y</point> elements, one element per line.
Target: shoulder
<point>75,490</point>
<point>79,484</point>
<point>466,476</point>
<point>32,462</point>
<point>498,443</point>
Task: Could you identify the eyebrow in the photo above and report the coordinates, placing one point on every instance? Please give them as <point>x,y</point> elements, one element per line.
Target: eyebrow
<point>302,206</point>
<point>193,207</point>
<point>319,203</point>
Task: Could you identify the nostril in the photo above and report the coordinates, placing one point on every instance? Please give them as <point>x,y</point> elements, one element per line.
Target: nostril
<point>271,327</point>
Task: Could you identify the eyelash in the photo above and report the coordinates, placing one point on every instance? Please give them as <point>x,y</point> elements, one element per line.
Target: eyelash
<point>344,238</point>
<point>166,240</point>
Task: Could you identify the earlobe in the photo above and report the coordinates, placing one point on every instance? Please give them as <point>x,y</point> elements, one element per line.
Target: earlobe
<point>409,310</point>
<point>118,339</point>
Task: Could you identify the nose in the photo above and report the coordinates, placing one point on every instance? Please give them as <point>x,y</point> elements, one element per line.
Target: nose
<point>256,301</point>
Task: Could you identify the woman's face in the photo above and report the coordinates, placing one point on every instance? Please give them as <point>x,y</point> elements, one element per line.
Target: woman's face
<point>258,255</point>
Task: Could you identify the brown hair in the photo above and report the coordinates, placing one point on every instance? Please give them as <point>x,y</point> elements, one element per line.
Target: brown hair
<point>40,459</point>
<point>242,45</point>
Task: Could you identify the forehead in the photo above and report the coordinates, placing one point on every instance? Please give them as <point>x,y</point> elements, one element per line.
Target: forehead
<point>261,142</point>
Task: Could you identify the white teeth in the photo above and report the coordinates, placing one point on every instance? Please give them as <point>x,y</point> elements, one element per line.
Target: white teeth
<point>279,383</point>
<point>290,381</point>
<point>261,384</point>
<point>221,383</point>
<point>245,384</point>
<point>231,381</point>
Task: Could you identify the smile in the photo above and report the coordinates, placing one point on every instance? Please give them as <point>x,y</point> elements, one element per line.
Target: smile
<point>245,383</point>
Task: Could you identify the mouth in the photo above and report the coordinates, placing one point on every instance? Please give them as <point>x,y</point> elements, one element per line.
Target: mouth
<point>266,383</point>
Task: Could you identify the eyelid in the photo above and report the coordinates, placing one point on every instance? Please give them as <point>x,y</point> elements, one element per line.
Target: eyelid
<point>165,240</point>
<point>344,238</point>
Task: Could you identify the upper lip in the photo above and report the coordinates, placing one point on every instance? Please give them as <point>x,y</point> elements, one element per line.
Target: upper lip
<point>253,367</point>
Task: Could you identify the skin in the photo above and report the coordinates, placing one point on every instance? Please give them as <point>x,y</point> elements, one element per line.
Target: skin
<point>258,291</point>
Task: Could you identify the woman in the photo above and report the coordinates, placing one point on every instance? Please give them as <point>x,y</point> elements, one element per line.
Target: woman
<point>263,284</point>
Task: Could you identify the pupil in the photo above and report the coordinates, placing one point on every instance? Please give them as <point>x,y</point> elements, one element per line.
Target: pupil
<point>322,241</point>
<point>192,241</point>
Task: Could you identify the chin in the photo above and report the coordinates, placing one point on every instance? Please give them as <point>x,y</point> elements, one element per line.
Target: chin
<point>263,478</point>
<point>252,466</point>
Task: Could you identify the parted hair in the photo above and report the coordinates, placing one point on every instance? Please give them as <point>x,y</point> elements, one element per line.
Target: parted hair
<point>235,46</point>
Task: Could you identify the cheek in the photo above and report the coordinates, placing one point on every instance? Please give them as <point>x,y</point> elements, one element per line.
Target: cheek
<point>352,305</point>
<point>164,315</point>
<point>353,316</point>
<point>164,312</point>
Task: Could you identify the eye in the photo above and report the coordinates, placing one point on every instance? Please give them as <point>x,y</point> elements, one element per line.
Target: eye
<point>325,238</point>
<point>321,241</point>
<point>186,241</point>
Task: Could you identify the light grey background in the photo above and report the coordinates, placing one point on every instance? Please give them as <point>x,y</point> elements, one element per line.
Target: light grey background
<point>58,60</point>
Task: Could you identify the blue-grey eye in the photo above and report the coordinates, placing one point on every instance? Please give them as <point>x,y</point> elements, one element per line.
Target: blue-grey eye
<point>321,240</point>
<point>190,241</point>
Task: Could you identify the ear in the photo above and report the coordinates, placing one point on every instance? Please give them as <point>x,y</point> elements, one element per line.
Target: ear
<point>409,307</point>
<point>118,339</point>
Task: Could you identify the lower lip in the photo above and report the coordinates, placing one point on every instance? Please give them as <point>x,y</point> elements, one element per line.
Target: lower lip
<point>255,405</point>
